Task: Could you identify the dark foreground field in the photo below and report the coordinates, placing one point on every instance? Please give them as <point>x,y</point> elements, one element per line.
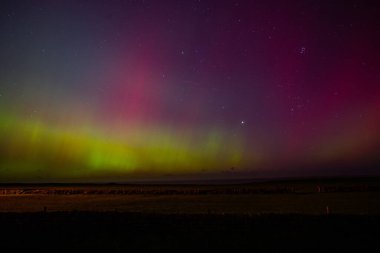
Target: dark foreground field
<point>301,216</point>
<point>131,232</point>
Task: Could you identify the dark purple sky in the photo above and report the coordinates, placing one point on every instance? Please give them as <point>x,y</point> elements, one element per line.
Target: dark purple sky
<point>119,90</point>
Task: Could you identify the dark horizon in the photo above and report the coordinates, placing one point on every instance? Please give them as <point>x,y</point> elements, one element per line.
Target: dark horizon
<point>211,180</point>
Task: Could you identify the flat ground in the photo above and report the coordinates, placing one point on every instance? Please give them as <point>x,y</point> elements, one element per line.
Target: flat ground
<point>337,203</point>
<point>360,196</point>
<point>279,216</point>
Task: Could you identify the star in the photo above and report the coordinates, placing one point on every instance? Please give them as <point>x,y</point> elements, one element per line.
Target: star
<point>242,122</point>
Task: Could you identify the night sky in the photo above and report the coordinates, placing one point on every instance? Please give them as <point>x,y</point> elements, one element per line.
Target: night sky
<point>168,90</point>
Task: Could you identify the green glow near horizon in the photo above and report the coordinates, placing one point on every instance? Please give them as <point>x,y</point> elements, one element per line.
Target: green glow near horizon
<point>32,149</point>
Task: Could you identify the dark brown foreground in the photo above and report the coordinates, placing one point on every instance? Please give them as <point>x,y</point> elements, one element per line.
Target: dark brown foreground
<point>131,232</point>
<point>314,197</point>
<point>301,216</point>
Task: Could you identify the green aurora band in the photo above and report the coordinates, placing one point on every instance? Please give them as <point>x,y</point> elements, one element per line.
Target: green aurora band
<point>33,150</point>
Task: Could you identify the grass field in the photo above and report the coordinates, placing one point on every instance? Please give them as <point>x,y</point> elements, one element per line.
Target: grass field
<point>299,197</point>
<point>276,216</point>
<point>338,203</point>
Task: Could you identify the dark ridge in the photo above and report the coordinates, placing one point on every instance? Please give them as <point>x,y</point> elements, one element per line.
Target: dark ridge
<point>285,180</point>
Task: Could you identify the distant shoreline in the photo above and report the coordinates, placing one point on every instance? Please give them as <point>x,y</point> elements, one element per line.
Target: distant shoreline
<point>203,181</point>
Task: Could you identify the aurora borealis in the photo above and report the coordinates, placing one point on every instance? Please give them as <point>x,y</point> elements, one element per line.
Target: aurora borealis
<point>126,90</point>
